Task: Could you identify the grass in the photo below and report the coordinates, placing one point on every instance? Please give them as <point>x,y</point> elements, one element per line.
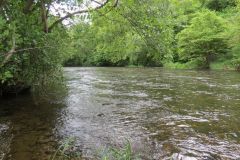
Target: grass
<point>222,65</point>
<point>177,65</point>
<point>124,153</point>
<point>64,152</point>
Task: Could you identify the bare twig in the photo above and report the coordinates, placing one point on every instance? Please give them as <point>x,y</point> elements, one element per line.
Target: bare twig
<point>96,2</point>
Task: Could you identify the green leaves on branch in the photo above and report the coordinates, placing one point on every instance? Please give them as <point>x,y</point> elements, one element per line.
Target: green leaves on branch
<point>203,38</point>
<point>135,33</point>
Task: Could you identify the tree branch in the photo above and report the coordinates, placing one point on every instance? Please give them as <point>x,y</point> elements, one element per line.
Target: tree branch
<point>14,51</point>
<point>28,6</point>
<point>96,2</point>
<point>116,3</point>
<point>44,16</point>
<point>10,53</point>
<point>79,12</point>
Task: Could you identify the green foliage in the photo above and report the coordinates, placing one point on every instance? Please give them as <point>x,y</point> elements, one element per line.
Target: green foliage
<point>203,38</point>
<point>219,5</point>
<point>64,151</point>
<point>4,77</point>
<point>124,153</point>
<point>136,33</point>
<point>224,64</point>
<point>37,56</point>
<point>178,34</point>
<point>183,12</point>
<point>234,39</point>
<point>191,64</point>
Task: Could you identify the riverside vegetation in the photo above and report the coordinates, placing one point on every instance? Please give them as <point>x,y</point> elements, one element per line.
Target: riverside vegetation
<point>34,43</point>
<point>185,34</point>
<point>124,153</point>
<point>39,37</point>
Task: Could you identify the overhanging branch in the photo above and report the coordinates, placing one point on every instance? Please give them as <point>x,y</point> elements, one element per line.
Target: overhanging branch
<point>80,12</point>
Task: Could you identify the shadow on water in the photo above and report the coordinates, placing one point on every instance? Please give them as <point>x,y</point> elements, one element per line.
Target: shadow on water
<point>163,113</point>
<point>28,127</point>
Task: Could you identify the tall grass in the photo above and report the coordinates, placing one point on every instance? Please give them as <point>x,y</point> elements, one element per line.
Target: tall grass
<point>189,65</point>
<point>64,151</point>
<point>111,153</point>
<point>222,65</point>
<point>124,153</point>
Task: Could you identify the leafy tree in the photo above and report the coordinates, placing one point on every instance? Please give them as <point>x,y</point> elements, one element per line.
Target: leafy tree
<point>203,39</point>
<point>82,44</point>
<point>234,38</point>
<point>183,12</point>
<point>33,40</point>
<point>137,32</point>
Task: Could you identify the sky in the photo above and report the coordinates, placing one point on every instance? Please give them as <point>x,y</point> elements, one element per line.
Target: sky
<point>62,9</point>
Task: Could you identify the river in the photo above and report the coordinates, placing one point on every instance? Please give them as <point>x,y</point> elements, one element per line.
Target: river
<point>163,113</point>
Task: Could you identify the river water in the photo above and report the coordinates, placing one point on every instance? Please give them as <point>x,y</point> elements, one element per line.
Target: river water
<point>165,114</point>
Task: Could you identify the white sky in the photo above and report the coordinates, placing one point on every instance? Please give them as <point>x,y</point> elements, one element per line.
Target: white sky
<point>63,9</point>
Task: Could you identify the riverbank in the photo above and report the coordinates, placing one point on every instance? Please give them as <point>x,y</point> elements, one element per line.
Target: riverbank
<point>178,66</point>
<point>7,91</point>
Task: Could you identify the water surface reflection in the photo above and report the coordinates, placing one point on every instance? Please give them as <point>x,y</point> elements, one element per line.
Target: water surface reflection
<point>162,113</point>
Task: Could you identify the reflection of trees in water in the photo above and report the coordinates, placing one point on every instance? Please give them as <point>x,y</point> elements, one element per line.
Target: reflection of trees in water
<point>53,90</point>
<point>31,126</point>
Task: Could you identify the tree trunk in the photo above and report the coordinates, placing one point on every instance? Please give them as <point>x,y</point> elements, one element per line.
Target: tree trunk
<point>44,16</point>
<point>238,68</point>
<point>28,6</point>
<point>208,60</point>
<point>1,3</point>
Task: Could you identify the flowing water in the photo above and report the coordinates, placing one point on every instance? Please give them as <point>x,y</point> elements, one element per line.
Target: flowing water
<point>165,114</point>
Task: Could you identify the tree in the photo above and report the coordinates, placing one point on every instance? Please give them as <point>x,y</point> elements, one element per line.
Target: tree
<point>137,32</point>
<point>234,38</point>
<point>203,38</point>
<point>33,40</point>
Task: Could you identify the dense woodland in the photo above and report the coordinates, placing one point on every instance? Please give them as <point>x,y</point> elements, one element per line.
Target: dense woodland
<point>183,34</point>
